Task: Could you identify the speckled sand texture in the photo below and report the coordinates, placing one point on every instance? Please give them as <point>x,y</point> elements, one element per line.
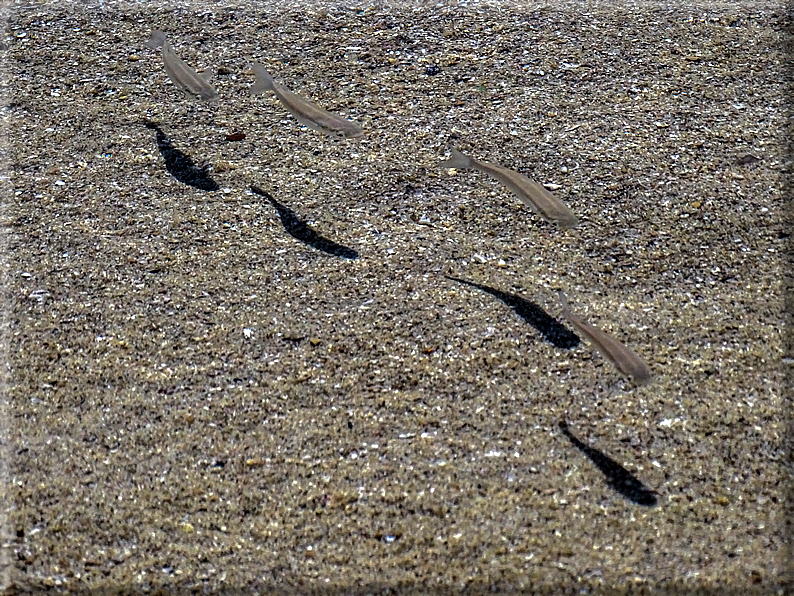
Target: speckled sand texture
<point>294,363</point>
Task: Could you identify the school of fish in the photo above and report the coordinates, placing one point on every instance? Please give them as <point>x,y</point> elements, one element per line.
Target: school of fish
<point>197,86</point>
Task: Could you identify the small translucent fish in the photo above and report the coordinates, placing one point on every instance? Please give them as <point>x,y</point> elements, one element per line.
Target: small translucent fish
<point>626,360</point>
<point>306,112</point>
<point>194,85</point>
<point>533,194</point>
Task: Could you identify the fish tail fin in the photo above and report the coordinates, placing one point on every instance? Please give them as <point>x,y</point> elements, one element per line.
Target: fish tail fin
<point>564,302</point>
<point>456,160</point>
<point>264,81</point>
<point>156,40</point>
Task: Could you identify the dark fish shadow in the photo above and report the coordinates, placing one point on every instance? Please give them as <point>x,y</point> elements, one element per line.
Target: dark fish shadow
<point>300,230</point>
<point>618,477</point>
<point>553,331</point>
<point>179,165</point>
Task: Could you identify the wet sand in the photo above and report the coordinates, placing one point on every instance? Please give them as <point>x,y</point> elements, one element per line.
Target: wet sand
<point>294,363</point>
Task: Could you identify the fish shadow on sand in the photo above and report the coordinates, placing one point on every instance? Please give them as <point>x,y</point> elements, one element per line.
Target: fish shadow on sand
<point>179,165</point>
<point>300,230</point>
<point>553,331</point>
<point>618,477</point>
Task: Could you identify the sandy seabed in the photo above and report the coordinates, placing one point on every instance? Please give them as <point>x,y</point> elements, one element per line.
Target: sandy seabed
<point>300,364</point>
